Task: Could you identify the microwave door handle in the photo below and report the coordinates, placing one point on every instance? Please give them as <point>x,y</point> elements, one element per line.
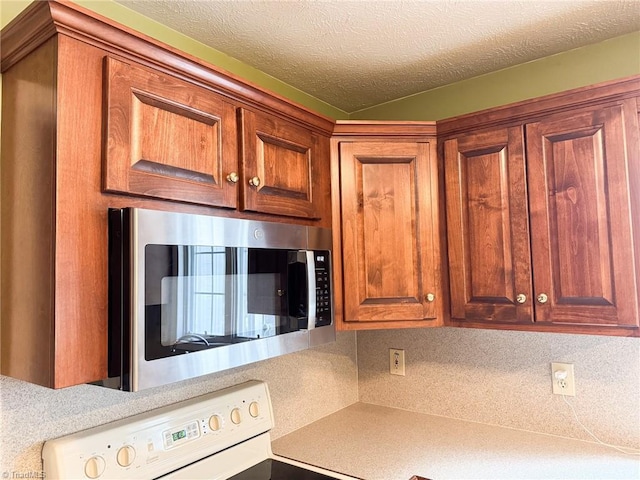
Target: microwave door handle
<point>311,289</point>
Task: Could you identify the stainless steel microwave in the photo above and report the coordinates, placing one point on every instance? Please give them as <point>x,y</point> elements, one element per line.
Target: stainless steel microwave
<point>191,295</point>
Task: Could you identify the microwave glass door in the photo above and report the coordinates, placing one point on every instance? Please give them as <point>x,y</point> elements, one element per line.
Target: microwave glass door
<point>202,297</point>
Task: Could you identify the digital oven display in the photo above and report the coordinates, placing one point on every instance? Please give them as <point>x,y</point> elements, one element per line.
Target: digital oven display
<point>185,433</point>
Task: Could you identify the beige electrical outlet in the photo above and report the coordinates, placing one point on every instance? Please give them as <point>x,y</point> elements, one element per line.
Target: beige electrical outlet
<point>563,379</point>
<point>396,361</point>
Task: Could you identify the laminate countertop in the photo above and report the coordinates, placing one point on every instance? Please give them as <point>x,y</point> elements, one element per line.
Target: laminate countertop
<point>382,443</point>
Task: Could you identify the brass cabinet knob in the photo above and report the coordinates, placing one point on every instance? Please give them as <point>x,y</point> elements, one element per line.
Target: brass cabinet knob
<point>233,177</point>
<point>542,298</point>
<point>430,297</point>
<point>521,298</point>
<point>254,181</point>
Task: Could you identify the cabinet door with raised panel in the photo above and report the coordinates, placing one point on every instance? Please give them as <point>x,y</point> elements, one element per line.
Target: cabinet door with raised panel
<point>282,165</point>
<point>583,185</point>
<point>487,224</point>
<point>389,231</point>
<point>167,138</point>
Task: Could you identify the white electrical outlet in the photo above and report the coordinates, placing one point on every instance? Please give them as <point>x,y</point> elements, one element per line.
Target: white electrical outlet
<point>396,361</point>
<point>563,380</point>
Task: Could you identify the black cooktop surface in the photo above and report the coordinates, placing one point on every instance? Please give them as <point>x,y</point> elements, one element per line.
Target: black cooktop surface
<point>275,470</point>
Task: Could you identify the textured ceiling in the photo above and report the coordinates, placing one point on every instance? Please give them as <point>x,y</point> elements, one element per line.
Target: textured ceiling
<point>354,54</point>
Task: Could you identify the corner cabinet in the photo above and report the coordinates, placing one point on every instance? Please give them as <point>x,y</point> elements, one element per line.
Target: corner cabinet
<point>96,116</point>
<point>386,225</point>
<point>543,216</point>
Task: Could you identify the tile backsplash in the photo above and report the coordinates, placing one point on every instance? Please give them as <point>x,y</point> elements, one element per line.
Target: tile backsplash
<point>30,414</point>
<point>504,378</point>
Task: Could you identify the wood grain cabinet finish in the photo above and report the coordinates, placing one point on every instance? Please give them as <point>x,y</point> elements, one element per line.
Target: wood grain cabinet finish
<point>95,116</point>
<point>545,236</point>
<point>488,226</point>
<point>280,167</point>
<point>167,138</point>
<point>584,209</point>
<point>170,139</point>
<point>53,273</point>
<point>390,237</point>
<point>174,128</point>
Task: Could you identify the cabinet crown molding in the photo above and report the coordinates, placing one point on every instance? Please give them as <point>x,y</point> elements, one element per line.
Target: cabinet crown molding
<point>384,128</point>
<point>533,109</point>
<point>44,19</point>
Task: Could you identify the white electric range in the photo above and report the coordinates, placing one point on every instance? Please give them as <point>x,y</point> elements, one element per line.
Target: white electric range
<point>219,436</point>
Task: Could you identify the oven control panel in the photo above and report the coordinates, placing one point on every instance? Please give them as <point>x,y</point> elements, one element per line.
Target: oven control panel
<point>152,444</point>
<point>181,435</point>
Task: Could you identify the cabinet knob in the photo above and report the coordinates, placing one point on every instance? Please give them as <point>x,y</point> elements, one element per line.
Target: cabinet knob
<point>542,298</point>
<point>233,177</point>
<point>430,297</point>
<point>254,181</point>
<point>521,298</point>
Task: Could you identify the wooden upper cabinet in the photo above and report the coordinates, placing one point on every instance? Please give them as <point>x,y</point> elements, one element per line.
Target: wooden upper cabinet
<point>96,116</point>
<point>170,139</point>
<point>546,236</point>
<point>167,138</point>
<point>584,211</point>
<point>488,230</point>
<point>390,235</point>
<point>280,166</point>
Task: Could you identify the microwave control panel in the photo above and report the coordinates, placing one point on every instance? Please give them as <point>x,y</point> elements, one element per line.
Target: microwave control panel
<point>323,288</point>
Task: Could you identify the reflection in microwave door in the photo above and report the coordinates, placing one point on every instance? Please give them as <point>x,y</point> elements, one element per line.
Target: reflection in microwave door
<point>268,329</point>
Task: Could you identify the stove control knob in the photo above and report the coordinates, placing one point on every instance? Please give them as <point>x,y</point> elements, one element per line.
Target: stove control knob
<point>214,423</point>
<point>126,455</point>
<point>94,467</point>
<point>254,409</point>
<point>235,416</point>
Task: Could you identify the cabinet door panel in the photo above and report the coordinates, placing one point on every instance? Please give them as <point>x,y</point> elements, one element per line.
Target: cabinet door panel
<point>166,138</point>
<point>489,257</point>
<point>283,156</point>
<point>581,216</point>
<point>388,231</point>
